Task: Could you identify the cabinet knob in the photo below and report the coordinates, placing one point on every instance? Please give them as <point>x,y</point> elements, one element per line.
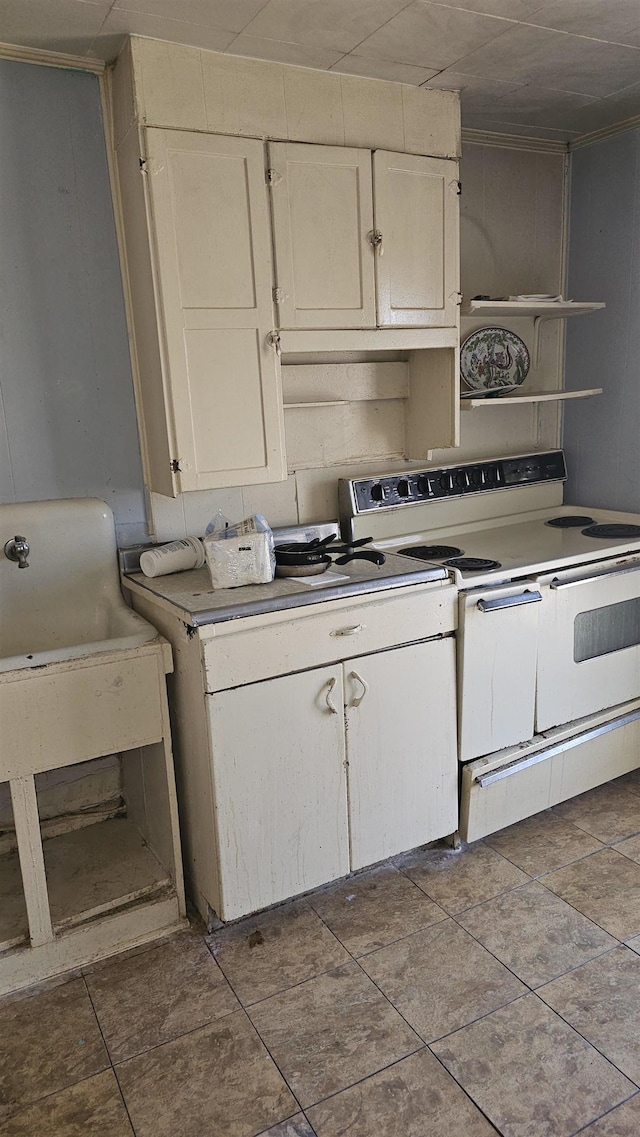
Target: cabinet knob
<point>375,237</point>
<point>352,631</point>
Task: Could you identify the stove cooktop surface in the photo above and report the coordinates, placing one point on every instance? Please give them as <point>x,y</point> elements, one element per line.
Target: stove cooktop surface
<point>514,546</point>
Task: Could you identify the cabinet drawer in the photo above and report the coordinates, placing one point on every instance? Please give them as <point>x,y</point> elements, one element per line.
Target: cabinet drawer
<point>238,656</point>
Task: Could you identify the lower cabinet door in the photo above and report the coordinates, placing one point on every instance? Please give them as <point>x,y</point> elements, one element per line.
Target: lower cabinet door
<point>280,797</point>
<point>401,749</point>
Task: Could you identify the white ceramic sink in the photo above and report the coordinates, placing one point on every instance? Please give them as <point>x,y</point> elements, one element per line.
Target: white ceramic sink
<point>67,604</point>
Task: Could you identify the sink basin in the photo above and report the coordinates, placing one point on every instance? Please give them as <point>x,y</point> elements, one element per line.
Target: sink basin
<point>67,604</point>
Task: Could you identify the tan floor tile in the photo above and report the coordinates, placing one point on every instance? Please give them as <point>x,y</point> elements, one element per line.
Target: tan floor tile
<point>535,933</point>
<point>458,880</point>
<point>47,1042</point>
<point>92,1108</point>
<point>159,994</point>
<point>330,1032</point>
<point>623,1121</point>
<point>608,813</point>
<point>414,1098</point>
<point>630,781</point>
<point>530,1073</point>
<point>440,979</point>
<point>630,848</point>
<point>634,944</point>
<point>218,1080</point>
<point>374,909</point>
<point>273,951</point>
<point>604,887</point>
<point>601,1000</point>
<point>542,843</point>
<point>297,1126</point>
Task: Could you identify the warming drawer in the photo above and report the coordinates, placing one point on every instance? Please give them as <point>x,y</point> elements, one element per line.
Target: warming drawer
<point>501,789</point>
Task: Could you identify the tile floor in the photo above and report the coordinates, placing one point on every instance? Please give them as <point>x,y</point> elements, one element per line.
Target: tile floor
<point>495,990</point>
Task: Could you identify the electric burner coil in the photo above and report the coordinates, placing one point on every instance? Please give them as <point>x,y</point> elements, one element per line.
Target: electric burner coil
<point>613,532</point>
<point>432,552</point>
<point>472,564</point>
<point>570,521</point>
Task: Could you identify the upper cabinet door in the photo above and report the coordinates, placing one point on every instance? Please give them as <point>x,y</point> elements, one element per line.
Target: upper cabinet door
<point>417,259</point>
<point>212,258</point>
<point>323,222</point>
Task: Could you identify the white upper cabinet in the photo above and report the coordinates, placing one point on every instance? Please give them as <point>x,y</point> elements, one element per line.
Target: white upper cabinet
<point>210,250</point>
<point>323,220</point>
<point>417,260</point>
<point>361,244</point>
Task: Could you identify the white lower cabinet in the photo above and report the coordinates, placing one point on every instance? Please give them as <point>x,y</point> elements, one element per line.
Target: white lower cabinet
<point>280,794</point>
<point>329,770</point>
<point>311,743</point>
<point>401,749</point>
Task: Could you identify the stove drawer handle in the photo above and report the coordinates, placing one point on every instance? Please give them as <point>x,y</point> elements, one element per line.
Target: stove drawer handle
<point>527,597</point>
<point>595,577</point>
<point>351,631</point>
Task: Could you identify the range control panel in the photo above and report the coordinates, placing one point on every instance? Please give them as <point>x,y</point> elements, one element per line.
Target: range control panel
<point>365,494</point>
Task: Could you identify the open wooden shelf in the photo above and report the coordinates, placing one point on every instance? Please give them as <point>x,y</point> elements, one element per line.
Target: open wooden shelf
<point>14,925</point>
<point>541,309</point>
<point>91,872</point>
<point>99,869</point>
<point>538,310</point>
<point>514,398</point>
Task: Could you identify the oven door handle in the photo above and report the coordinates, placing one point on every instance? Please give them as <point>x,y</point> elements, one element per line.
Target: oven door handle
<point>529,596</point>
<point>556,585</point>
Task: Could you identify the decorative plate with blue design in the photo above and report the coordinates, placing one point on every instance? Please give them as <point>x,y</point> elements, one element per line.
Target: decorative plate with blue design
<point>494,361</point>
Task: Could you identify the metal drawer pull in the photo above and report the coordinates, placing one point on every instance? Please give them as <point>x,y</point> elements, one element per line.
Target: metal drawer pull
<point>351,631</point>
<point>528,597</point>
<point>559,748</point>
<point>365,687</point>
<point>596,576</point>
<point>330,685</point>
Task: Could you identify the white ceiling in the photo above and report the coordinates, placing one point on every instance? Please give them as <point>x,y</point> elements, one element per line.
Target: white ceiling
<point>548,68</point>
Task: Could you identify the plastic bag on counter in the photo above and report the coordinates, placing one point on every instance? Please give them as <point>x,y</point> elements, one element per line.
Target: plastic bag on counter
<point>239,554</point>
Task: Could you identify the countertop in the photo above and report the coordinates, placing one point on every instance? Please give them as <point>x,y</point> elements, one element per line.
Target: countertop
<point>191,596</point>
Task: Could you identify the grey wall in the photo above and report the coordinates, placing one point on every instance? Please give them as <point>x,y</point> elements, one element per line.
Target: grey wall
<point>67,416</point>
<point>602,435</point>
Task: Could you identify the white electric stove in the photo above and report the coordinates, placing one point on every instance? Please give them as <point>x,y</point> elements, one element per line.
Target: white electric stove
<point>548,636</point>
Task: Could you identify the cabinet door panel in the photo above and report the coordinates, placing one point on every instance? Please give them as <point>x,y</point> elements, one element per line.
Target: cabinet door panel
<point>401,749</point>
<point>416,210</point>
<point>213,272</point>
<point>279,788</point>
<point>322,217</point>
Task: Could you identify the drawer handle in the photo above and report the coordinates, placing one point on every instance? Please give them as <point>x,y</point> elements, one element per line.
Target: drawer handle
<point>351,631</point>
<point>365,687</point>
<point>330,685</point>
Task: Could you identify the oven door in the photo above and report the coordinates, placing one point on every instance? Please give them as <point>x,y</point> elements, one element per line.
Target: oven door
<point>589,640</point>
<point>497,647</point>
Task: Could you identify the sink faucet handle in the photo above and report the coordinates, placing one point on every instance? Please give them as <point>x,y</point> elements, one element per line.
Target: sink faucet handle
<point>18,550</point>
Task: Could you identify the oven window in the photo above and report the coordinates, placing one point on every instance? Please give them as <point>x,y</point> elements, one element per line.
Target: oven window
<point>603,630</point>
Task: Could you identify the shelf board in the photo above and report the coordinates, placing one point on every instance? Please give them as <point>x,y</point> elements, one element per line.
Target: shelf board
<point>545,309</point>
<point>319,403</point>
<point>14,926</point>
<point>97,870</point>
<point>528,397</point>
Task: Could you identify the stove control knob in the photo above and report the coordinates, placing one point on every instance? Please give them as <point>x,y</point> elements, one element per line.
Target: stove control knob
<point>379,492</point>
<point>424,486</point>
<point>476,477</point>
<point>446,482</point>
<point>461,480</point>
<point>404,488</point>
